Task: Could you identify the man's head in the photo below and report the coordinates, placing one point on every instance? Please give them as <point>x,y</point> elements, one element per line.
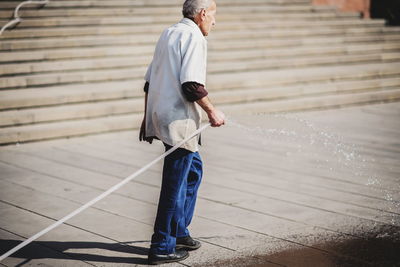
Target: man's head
<point>202,12</point>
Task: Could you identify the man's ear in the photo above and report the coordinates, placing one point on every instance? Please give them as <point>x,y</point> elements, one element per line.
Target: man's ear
<point>203,14</point>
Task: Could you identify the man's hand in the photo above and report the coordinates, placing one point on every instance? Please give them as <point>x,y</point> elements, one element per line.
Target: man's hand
<point>216,117</point>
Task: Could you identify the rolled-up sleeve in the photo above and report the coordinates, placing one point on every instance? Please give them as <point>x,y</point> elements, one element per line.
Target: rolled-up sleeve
<point>193,91</point>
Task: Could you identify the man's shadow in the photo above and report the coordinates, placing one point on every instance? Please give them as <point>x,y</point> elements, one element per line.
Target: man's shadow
<point>58,250</point>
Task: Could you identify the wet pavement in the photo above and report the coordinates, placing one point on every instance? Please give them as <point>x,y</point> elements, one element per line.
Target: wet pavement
<point>380,249</point>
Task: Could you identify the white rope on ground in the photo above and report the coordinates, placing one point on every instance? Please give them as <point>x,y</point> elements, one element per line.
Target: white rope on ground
<point>17,19</point>
<point>103,195</point>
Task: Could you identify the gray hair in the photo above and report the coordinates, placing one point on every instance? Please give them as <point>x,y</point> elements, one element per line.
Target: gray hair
<point>192,7</point>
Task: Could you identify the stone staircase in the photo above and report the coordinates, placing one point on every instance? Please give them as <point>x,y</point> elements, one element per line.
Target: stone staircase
<point>76,67</point>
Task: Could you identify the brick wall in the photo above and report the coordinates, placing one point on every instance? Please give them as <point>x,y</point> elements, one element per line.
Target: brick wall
<point>362,6</point>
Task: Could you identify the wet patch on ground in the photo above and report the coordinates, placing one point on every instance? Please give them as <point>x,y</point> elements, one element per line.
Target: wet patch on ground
<point>381,248</point>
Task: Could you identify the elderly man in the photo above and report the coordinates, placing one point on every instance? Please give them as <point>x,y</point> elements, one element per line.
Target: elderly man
<point>175,91</point>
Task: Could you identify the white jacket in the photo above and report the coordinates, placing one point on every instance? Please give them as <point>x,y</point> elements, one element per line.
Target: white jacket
<point>180,56</point>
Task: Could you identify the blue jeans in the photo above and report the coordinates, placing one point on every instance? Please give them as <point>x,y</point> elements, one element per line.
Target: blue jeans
<point>182,173</point>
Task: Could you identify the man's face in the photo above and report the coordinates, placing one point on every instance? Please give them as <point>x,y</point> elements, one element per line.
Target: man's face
<point>207,19</point>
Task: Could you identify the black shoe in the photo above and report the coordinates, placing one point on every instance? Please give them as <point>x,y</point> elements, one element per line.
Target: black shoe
<point>155,259</point>
<point>187,243</point>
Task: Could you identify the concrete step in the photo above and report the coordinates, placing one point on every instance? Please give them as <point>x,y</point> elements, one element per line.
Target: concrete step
<point>299,62</point>
<point>281,42</point>
<point>165,20</point>
<point>65,94</point>
<point>222,2</point>
<point>74,65</point>
<point>314,102</point>
<point>154,11</point>
<point>75,53</point>
<point>225,97</point>
<point>223,30</point>
<point>135,105</point>
<point>96,41</point>
<point>44,131</point>
<point>257,79</point>
<point>148,50</point>
<point>137,72</point>
<point>160,3</point>
<point>71,77</point>
<point>310,31</point>
<point>317,50</point>
<point>71,112</point>
<point>226,64</point>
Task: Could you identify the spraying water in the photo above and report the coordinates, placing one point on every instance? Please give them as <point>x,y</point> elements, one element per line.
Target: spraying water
<point>306,143</point>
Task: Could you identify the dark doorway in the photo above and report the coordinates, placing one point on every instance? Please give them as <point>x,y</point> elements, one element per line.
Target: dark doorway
<point>386,9</point>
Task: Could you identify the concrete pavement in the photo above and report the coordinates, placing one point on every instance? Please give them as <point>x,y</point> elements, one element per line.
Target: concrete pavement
<point>273,184</point>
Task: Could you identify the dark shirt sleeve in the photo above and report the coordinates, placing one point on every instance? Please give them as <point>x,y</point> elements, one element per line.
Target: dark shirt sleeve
<point>193,91</point>
<point>146,87</point>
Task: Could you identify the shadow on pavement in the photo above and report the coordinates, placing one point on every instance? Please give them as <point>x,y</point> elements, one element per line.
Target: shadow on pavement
<point>59,250</point>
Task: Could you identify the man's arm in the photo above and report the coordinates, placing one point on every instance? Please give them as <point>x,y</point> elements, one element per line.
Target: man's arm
<point>195,92</point>
<point>216,117</point>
